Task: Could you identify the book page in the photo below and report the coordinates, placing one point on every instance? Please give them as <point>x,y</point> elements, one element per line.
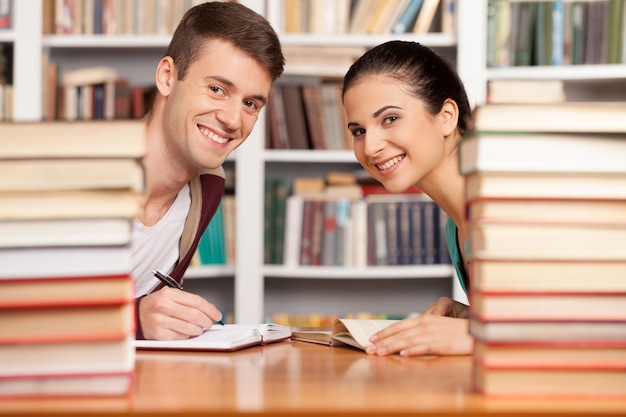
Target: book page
<point>359,330</point>
<point>271,332</point>
<point>226,337</point>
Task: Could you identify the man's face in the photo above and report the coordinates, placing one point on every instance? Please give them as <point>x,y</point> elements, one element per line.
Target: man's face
<point>214,108</point>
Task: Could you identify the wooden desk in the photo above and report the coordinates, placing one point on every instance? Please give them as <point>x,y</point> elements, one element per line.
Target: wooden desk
<point>304,379</point>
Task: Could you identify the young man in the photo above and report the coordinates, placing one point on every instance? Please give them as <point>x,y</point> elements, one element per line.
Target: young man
<point>211,85</point>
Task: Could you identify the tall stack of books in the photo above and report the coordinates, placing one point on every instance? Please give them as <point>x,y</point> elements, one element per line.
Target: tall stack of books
<point>546,207</point>
<point>68,194</point>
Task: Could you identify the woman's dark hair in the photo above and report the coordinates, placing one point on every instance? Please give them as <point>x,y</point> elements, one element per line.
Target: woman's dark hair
<point>426,75</point>
<point>231,22</point>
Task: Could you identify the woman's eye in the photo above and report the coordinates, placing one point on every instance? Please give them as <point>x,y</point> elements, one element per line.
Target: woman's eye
<point>217,90</point>
<point>389,119</point>
<point>357,132</point>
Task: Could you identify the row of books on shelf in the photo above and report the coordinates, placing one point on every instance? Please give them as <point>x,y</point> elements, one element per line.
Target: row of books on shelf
<point>6,14</point>
<point>113,17</point>
<point>338,225</point>
<point>366,16</point>
<point>547,265</point>
<point>306,114</point>
<point>6,77</point>
<point>325,321</point>
<point>558,32</point>
<point>68,194</point>
<point>93,93</point>
<point>217,244</point>
<point>6,102</point>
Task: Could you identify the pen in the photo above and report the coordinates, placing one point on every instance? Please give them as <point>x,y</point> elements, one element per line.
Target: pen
<point>170,282</point>
<point>167,280</point>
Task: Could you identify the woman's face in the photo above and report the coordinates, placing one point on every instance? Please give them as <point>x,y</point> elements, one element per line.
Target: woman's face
<point>395,139</point>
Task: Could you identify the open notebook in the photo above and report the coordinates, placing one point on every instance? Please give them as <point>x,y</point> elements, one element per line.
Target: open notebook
<point>227,338</point>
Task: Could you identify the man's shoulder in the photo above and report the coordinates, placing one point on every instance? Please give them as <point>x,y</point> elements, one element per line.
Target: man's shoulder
<point>219,172</point>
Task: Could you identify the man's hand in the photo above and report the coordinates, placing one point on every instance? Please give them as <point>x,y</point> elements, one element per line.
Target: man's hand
<point>174,314</point>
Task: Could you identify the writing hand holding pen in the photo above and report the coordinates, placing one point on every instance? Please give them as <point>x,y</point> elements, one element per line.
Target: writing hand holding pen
<point>172,283</point>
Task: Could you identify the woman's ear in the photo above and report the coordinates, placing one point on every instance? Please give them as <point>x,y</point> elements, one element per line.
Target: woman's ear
<point>449,116</point>
<point>166,75</point>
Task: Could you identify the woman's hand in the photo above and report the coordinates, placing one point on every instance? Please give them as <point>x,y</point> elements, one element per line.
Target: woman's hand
<point>446,306</point>
<point>443,329</point>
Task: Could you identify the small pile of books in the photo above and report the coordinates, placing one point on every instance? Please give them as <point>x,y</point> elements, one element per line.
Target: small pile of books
<point>68,194</point>
<point>546,206</point>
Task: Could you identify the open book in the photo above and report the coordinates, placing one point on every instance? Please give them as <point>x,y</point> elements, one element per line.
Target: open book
<point>344,332</point>
<point>227,338</point>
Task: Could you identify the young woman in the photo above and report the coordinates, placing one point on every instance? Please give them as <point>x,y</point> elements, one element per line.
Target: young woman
<point>407,109</point>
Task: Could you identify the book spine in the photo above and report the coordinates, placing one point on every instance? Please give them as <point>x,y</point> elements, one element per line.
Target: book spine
<point>393,236</point>
<point>317,232</point>
<point>342,242</point>
<point>307,232</point>
<point>405,228</point>
<point>329,234</point>
<point>558,32</point>
<point>268,220</point>
<point>281,191</point>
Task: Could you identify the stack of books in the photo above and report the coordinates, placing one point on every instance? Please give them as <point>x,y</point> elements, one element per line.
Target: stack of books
<point>68,194</point>
<point>546,207</point>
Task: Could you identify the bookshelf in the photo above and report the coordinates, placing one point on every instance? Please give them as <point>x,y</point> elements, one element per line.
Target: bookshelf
<point>250,289</point>
<point>583,82</point>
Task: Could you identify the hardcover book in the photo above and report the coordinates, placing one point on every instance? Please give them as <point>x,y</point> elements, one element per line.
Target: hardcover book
<point>524,275</point>
<point>546,331</point>
<point>542,153</point>
<point>583,306</point>
<point>78,139</point>
<point>548,241</point>
<point>566,382</point>
<point>571,117</point>
<point>580,354</point>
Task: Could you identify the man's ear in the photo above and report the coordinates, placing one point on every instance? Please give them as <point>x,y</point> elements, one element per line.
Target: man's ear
<point>449,116</point>
<point>166,75</point>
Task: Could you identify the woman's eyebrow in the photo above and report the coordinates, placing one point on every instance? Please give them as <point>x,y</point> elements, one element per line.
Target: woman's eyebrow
<point>382,109</point>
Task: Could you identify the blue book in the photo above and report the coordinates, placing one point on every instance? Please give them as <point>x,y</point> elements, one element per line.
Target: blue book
<point>407,17</point>
<point>211,246</point>
<point>558,32</point>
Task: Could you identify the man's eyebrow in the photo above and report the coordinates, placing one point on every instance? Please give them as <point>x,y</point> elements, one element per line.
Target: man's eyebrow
<point>260,98</point>
<point>229,83</point>
<point>221,79</point>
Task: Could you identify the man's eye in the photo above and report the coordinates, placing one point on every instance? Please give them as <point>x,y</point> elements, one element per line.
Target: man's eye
<point>217,90</point>
<point>250,104</point>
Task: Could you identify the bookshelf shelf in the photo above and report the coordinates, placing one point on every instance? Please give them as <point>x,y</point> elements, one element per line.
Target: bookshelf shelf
<point>438,40</point>
<point>565,72</point>
<point>312,156</point>
<point>370,272</point>
<point>210,271</point>
<point>106,41</point>
<point>7,36</point>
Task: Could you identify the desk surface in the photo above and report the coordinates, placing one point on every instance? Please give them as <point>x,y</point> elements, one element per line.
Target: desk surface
<point>307,379</point>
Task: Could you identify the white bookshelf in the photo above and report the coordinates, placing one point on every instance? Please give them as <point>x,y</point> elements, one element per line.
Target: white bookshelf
<point>256,289</point>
